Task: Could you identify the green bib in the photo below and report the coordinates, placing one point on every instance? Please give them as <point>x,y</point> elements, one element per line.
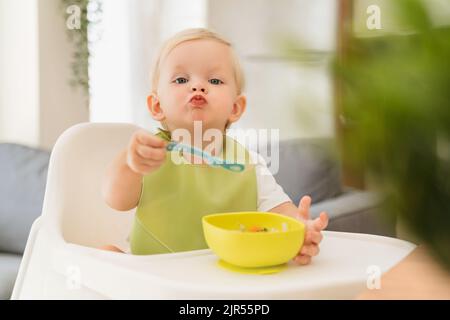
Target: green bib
<point>175,197</point>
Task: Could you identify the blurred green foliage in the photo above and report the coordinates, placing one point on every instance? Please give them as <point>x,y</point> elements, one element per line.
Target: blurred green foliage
<point>396,96</point>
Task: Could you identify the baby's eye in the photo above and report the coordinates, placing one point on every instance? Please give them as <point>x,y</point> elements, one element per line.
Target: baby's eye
<point>180,80</point>
<point>215,81</point>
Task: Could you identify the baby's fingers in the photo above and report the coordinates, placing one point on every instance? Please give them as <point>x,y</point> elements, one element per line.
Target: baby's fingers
<point>302,260</point>
<point>324,218</point>
<point>310,250</point>
<point>321,222</point>
<point>146,152</point>
<point>148,139</point>
<point>314,237</point>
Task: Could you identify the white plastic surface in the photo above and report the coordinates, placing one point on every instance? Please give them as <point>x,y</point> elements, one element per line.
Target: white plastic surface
<point>72,271</point>
<point>61,261</point>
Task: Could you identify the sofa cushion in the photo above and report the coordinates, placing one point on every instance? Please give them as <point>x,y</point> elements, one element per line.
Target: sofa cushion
<point>9,266</point>
<point>23,173</point>
<point>309,167</point>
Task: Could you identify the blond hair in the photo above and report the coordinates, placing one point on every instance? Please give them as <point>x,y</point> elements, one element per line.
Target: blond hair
<point>195,34</point>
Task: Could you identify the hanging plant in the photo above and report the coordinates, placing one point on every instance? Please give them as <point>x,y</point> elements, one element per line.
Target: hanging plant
<point>81,16</point>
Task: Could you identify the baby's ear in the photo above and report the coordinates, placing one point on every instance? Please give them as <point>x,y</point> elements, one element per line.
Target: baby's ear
<point>238,109</point>
<point>154,106</point>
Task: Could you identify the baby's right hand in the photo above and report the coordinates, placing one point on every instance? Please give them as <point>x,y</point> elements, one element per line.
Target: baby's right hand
<point>145,152</point>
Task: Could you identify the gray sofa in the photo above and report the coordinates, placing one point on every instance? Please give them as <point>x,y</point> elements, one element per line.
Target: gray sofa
<point>306,167</point>
<point>311,166</point>
<point>23,173</point>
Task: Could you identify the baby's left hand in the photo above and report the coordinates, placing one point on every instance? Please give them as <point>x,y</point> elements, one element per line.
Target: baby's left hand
<point>313,235</point>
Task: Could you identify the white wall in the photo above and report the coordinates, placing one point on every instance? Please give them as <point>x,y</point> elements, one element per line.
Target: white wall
<point>176,15</point>
<point>296,99</point>
<point>109,70</point>
<point>36,101</point>
<point>19,80</point>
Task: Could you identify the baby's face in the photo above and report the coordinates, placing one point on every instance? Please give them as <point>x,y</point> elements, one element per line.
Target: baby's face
<point>197,83</point>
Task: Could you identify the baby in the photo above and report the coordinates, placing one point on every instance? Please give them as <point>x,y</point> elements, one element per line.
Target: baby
<point>197,78</point>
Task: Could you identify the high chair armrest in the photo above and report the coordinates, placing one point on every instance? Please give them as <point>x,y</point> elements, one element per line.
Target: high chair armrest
<point>355,211</point>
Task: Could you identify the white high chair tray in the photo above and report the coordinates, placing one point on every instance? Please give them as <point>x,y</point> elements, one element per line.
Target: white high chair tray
<point>341,271</point>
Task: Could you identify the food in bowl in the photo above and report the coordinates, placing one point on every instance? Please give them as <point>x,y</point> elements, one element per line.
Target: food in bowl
<point>253,239</point>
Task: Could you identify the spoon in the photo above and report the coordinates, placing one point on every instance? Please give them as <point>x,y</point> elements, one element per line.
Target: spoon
<point>210,160</point>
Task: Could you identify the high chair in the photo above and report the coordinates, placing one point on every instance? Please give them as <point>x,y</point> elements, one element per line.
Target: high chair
<point>62,259</point>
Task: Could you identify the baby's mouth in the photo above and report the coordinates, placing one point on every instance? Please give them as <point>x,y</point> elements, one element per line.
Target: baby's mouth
<point>197,100</point>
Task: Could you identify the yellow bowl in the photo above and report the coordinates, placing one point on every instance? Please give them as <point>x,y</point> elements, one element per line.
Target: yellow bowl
<point>233,238</point>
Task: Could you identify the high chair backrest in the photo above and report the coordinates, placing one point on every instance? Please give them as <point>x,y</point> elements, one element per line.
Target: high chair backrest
<point>73,194</point>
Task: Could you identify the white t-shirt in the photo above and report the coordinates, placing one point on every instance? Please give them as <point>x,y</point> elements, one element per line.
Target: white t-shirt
<point>270,193</point>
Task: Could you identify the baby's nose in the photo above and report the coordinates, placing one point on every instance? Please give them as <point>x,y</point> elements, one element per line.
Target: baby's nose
<point>195,88</point>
